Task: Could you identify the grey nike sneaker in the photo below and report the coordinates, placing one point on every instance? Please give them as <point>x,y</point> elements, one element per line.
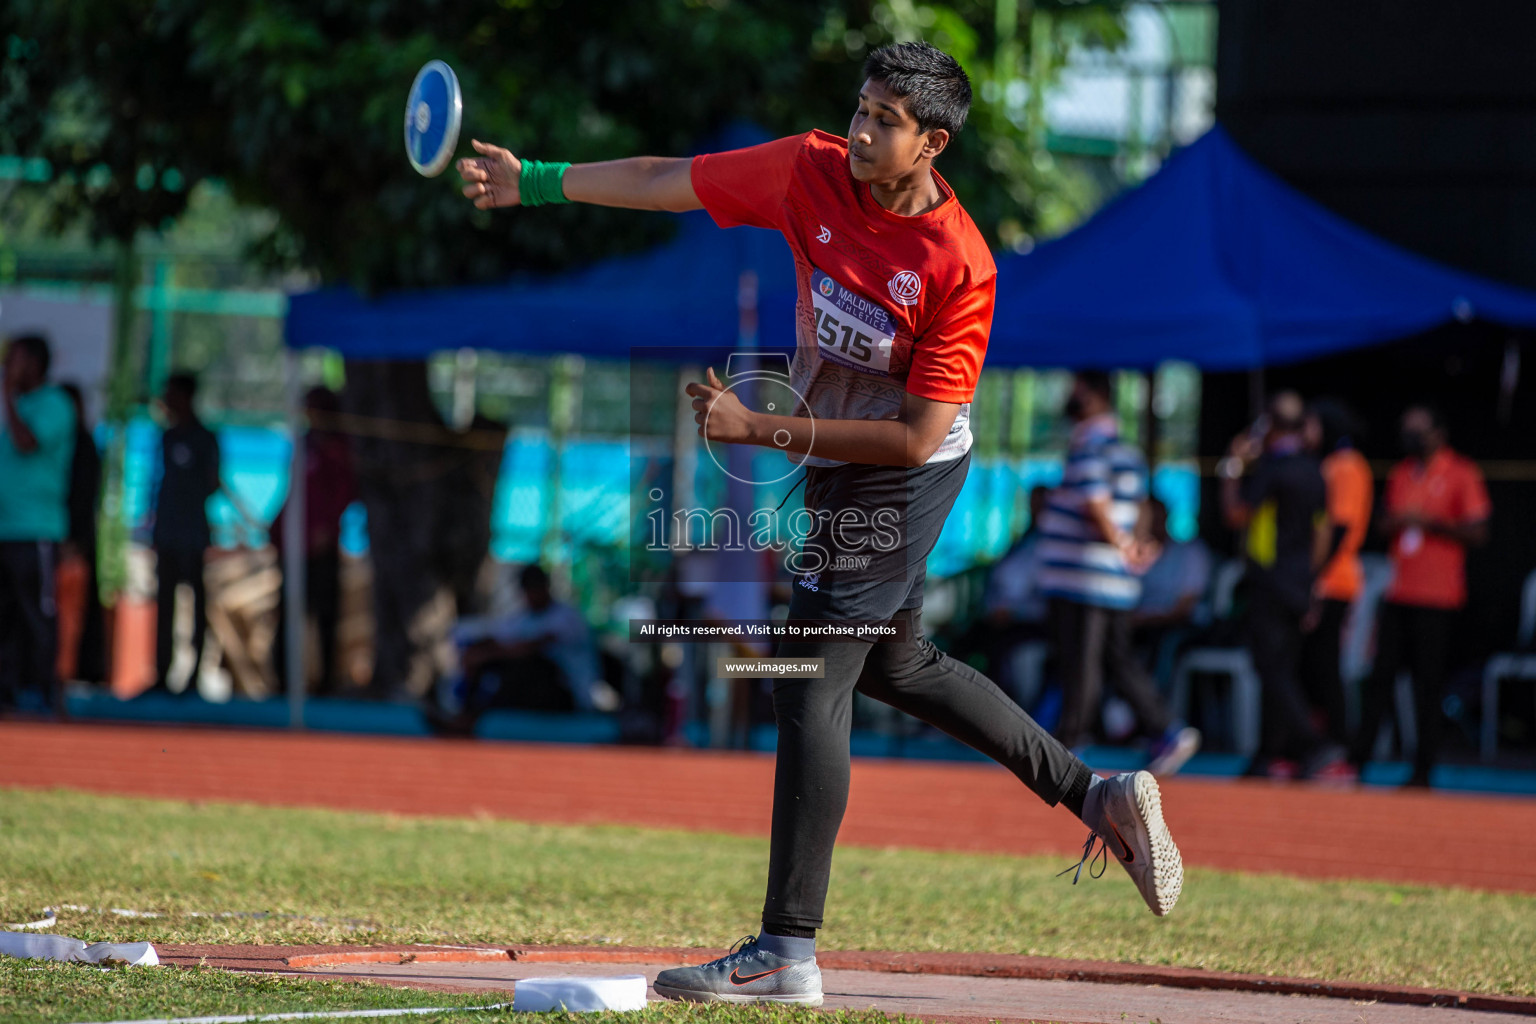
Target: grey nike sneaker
<point>747,974</point>
<point>1131,827</point>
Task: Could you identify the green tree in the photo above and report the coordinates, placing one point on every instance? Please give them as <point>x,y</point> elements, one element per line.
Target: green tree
<point>297,107</point>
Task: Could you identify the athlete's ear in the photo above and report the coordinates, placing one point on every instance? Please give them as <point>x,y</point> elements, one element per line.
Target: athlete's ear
<point>934,142</point>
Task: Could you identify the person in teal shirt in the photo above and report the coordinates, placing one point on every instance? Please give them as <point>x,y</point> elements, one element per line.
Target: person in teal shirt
<point>37,442</point>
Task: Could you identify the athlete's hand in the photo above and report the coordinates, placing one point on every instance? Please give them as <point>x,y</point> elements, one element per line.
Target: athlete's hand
<point>721,413</point>
<point>492,178</point>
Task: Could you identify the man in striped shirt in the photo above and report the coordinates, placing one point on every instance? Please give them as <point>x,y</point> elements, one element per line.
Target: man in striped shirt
<point>1091,563</point>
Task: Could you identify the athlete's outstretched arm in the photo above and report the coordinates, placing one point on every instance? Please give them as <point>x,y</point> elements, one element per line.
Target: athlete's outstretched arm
<point>909,440</point>
<point>638,183</point>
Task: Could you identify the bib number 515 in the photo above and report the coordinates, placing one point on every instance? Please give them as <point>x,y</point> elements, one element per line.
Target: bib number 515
<point>843,337</point>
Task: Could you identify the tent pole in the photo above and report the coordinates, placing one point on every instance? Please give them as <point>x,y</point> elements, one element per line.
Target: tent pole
<point>1149,420</point>
<point>293,547</point>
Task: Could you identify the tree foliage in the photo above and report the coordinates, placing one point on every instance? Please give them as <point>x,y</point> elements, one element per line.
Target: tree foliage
<point>297,106</point>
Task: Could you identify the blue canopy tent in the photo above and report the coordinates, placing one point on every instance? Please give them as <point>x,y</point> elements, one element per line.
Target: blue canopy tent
<point>680,295</point>
<point>1217,262</point>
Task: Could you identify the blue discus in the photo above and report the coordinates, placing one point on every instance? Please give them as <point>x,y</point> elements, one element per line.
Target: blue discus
<point>432,114</point>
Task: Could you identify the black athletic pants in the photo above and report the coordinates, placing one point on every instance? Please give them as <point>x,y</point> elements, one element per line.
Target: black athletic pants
<point>1274,640</point>
<point>1320,675</point>
<point>815,715</point>
<point>174,566</point>
<point>29,622</point>
<point>1093,643</point>
<point>1420,639</point>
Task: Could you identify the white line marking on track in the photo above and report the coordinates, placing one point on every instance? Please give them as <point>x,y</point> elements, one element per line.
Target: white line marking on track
<point>254,1018</point>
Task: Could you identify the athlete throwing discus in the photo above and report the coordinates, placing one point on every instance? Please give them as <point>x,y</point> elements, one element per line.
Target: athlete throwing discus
<point>896,289</point>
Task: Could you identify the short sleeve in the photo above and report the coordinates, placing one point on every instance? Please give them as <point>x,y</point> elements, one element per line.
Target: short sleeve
<point>1090,474</point>
<point>947,358</point>
<point>1349,494</point>
<point>1475,506</point>
<point>746,187</point>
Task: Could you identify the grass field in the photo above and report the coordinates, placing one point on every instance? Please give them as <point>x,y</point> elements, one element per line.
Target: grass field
<point>325,876</point>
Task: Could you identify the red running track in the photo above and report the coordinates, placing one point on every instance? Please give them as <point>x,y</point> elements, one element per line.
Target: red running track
<point>1411,837</point>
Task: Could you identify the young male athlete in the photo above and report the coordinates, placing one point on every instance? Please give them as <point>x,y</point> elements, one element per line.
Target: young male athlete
<point>895,305</point>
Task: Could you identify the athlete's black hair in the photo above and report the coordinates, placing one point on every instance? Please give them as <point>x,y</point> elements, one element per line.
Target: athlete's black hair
<point>936,89</point>
<point>1099,383</point>
<point>36,346</point>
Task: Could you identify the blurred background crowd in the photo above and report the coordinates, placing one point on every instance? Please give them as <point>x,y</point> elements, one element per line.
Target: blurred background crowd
<point>1310,543</point>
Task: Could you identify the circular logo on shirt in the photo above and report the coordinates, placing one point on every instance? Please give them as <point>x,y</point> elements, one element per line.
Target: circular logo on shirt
<point>905,287</point>
<point>827,287</point>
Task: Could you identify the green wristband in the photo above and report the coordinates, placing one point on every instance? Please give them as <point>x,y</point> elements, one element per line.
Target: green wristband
<point>540,183</point>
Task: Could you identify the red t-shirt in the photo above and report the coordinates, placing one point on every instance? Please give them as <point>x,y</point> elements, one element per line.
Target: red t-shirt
<point>1430,569</point>
<point>887,304</point>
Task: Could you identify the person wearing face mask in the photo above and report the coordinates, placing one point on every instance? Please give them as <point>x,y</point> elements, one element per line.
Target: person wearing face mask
<point>1436,506</point>
<point>1273,491</point>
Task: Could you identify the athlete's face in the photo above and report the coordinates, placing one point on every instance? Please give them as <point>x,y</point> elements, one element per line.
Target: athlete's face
<point>883,141</point>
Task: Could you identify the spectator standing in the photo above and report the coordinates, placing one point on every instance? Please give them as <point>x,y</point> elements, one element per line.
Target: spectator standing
<point>1331,429</point>
<point>1274,490</point>
<point>1091,557</point>
<point>329,487</point>
<point>189,476</point>
<point>82,636</point>
<point>1436,506</point>
<point>37,440</point>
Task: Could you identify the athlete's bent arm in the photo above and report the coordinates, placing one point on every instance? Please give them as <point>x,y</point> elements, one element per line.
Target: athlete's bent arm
<point>909,440</point>
<point>639,183</point>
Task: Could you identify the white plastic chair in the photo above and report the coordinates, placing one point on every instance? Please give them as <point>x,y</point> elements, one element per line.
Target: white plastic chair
<point>1509,665</point>
<point>1234,663</point>
<point>1355,655</point>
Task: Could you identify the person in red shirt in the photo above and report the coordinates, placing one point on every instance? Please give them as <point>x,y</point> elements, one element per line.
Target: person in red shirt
<point>896,289</point>
<point>1435,507</point>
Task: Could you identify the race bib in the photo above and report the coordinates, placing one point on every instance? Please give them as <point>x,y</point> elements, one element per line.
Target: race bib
<point>850,329</point>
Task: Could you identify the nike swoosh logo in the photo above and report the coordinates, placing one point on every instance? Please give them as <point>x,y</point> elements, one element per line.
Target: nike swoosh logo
<point>1130,854</point>
<point>737,979</point>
